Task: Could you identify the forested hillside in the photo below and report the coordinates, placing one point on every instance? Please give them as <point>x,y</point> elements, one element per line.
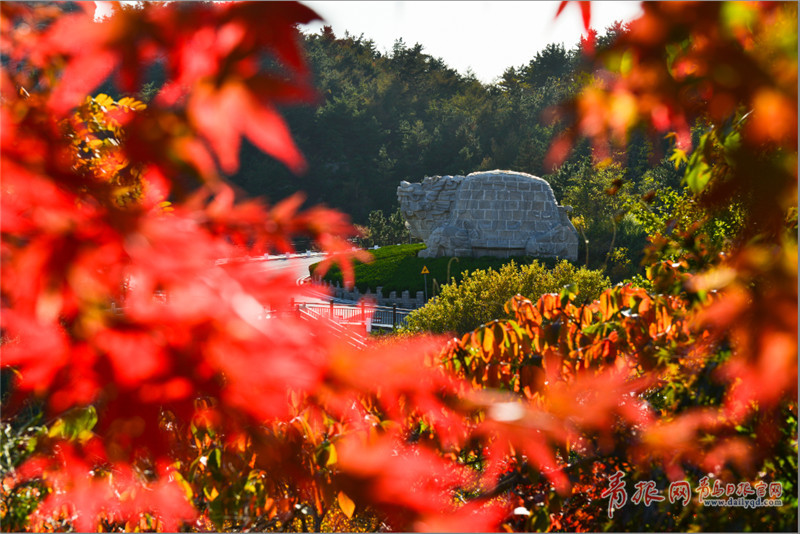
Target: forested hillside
<point>383,118</point>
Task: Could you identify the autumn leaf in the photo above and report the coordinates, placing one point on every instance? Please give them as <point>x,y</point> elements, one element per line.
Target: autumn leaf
<point>346,504</point>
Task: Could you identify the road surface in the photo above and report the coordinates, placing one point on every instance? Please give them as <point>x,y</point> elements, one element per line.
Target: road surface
<point>298,264</point>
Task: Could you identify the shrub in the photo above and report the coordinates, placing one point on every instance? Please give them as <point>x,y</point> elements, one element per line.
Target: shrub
<point>481,295</point>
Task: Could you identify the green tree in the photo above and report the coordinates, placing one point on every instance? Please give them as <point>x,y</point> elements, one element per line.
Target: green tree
<point>551,64</point>
<point>382,231</point>
<point>600,198</point>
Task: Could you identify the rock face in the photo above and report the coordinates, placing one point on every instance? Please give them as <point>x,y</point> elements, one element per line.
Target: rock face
<point>493,213</point>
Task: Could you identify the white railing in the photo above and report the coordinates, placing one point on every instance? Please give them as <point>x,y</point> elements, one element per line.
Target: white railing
<point>368,315</point>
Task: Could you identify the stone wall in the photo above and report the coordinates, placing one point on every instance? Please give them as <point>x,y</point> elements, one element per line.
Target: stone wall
<point>402,300</point>
<point>494,213</point>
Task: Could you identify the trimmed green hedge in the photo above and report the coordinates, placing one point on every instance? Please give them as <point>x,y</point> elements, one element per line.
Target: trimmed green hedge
<point>397,268</point>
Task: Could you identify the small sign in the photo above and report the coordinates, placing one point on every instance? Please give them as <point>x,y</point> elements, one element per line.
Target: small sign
<point>425,270</point>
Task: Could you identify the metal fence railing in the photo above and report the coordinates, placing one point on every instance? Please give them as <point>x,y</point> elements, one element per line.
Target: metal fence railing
<point>388,317</point>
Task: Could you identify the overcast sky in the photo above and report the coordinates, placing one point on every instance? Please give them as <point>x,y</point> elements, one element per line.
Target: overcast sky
<point>486,36</point>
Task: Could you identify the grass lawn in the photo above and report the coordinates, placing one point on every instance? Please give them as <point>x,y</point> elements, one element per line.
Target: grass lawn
<point>397,268</point>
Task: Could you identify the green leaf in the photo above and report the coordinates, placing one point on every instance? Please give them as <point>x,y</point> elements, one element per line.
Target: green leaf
<point>76,424</point>
<point>697,176</point>
<point>568,293</point>
<point>326,454</point>
<point>626,62</point>
<point>185,486</point>
<point>738,15</point>
<point>678,157</point>
<point>332,458</point>
<point>732,144</point>
<point>215,460</point>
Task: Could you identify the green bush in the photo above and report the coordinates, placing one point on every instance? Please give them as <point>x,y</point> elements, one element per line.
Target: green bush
<point>397,268</point>
<point>480,296</point>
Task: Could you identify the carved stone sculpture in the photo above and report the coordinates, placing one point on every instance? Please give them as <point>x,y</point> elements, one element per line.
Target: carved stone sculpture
<point>493,213</point>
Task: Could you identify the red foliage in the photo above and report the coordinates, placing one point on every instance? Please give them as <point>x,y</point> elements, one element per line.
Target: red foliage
<point>82,317</point>
<point>124,306</point>
<point>115,495</point>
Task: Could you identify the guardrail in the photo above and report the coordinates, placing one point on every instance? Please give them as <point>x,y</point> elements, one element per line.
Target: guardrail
<point>371,316</point>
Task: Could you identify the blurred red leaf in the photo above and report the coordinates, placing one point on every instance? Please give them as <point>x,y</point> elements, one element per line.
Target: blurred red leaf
<point>37,349</point>
<point>136,356</point>
<point>118,496</point>
<point>586,12</point>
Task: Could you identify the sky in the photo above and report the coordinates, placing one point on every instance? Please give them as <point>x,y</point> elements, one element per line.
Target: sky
<point>484,36</point>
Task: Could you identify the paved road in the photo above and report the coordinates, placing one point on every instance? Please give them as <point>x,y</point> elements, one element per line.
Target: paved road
<point>298,267</point>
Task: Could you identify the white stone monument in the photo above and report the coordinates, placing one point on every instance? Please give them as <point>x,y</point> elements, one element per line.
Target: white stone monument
<point>493,213</point>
